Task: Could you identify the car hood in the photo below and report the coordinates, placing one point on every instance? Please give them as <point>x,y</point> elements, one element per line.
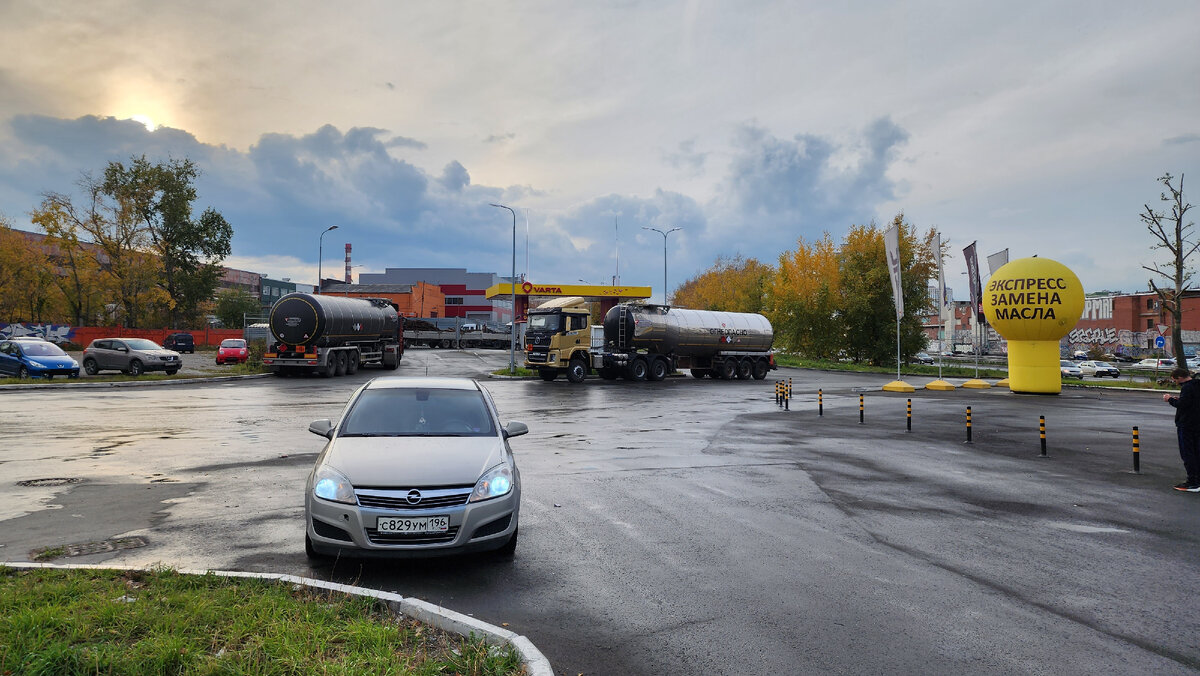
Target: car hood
<point>53,361</point>
<point>406,462</point>
<point>158,353</point>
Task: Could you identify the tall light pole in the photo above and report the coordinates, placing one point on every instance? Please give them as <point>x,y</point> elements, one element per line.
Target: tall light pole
<point>512,350</point>
<point>320,254</point>
<point>664,234</point>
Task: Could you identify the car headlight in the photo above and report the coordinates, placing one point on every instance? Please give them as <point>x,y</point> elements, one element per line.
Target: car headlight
<point>36,364</point>
<point>330,484</point>
<point>494,483</point>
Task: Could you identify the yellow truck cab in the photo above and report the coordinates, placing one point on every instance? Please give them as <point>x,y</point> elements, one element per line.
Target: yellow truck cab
<point>557,340</point>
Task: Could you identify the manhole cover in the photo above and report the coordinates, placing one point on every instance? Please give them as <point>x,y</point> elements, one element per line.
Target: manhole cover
<point>83,549</point>
<point>60,481</point>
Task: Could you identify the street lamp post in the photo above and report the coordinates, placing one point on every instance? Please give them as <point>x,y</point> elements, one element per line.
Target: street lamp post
<point>320,254</point>
<point>512,350</point>
<point>664,234</point>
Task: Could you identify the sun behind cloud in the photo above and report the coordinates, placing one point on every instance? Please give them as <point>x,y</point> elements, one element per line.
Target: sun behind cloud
<point>145,120</point>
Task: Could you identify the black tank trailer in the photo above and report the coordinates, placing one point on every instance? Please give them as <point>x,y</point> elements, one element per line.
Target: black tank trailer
<point>333,335</point>
<point>647,341</point>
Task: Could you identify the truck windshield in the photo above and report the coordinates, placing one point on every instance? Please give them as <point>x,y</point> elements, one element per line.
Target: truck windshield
<point>545,322</point>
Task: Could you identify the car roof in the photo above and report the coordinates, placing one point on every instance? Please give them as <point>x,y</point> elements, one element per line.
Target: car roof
<point>16,338</point>
<point>405,382</point>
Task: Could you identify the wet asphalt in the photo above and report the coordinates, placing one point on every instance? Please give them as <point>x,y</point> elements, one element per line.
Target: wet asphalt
<point>689,526</point>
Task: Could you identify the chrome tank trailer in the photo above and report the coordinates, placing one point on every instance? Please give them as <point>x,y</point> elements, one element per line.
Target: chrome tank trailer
<point>695,333</point>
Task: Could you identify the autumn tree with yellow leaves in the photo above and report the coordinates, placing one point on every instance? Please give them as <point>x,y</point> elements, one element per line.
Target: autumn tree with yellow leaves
<point>731,285</point>
<point>804,300</point>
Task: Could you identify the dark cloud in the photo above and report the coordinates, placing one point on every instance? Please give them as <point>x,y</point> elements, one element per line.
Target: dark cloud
<point>1182,140</point>
<point>500,138</point>
<point>282,192</point>
<point>404,142</point>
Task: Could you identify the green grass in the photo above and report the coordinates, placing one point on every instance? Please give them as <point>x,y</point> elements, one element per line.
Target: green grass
<point>65,622</point>
<point>520,373</point>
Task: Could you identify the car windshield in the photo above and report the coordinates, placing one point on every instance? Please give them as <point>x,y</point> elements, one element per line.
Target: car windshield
<point>418,412</point>
<point>32,349</point>
<point>141,344</point>
<point>1103,364</point>
<point>233,342</point>
<point>545,322</point>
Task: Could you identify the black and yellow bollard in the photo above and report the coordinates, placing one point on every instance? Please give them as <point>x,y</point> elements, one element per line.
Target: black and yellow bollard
<point>1042,431</point>
<point>968,424</point>
<point>778,391</point>
<point>787,395</point>
<point>1137,460</point>
<point>908,422</point>
<point>820,403</point>
<point>860,409</point>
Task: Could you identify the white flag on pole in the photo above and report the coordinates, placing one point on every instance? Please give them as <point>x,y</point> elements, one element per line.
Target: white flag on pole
<point>997,261</point>
<point>941,301</point>
<point>891,245</point>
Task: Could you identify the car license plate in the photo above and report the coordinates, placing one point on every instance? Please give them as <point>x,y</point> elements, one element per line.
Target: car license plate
<point>424,524</point>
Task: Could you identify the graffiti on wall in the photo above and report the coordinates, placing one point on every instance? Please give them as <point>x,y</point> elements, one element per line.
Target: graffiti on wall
<point>1097,308</point>
<point>55,333</point>
<point>1107,336</point>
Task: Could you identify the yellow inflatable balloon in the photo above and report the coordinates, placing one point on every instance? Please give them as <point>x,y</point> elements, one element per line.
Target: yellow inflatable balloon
<point>1033,303</point>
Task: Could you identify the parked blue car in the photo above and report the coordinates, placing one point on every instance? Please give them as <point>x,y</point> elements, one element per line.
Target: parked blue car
<point>24,358</point>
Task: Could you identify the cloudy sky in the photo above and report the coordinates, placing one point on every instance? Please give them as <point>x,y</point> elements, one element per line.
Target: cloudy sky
<point>1033,126</point>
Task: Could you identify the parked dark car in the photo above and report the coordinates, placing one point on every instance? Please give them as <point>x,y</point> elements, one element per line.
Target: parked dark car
<point>922,358</point>
<point>24,358</point>
<point>180,342</point>
<point>134,356</point>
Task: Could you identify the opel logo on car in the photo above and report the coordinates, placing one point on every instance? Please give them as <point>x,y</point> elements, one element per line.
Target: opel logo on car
<point>414,496</point>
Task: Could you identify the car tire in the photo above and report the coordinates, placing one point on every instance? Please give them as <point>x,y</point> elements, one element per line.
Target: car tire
<point>172,372</point>
<point>90,366</point>
<point>761,368</point>
<point>136,368</point>
<point>510,548</point>
<point>577,371</point>
<point>310,552</point>
<point>22,373</point>
<point>637,370</point>
<point>658,370</point>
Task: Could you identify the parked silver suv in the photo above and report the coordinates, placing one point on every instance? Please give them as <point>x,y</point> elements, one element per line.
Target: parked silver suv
<point>129,355</point>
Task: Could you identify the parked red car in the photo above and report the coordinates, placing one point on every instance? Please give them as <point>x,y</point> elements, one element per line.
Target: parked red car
<point>232,351</point>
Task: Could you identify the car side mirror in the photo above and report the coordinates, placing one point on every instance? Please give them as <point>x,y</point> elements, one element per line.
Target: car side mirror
<point>322,428</point>
<point>515,429</point>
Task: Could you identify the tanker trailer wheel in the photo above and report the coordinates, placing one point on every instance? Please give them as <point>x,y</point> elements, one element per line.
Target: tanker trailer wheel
<point>352,362</point>
<point>761,367</point>
<point>446,345</point>
<point>745,369</point>
<point>330,368</point>
<point>658,370</point>
<point>699,373</point>
<point>577,371</point>
<point>636,371</point>
<point>727,369</point>
<point>340,367</point>
<point>548,375</point>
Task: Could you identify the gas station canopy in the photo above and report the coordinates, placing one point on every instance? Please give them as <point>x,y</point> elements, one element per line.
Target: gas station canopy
<point>526,289</point>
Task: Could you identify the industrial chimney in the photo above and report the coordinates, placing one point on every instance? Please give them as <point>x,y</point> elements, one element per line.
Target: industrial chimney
<point>348,263</point>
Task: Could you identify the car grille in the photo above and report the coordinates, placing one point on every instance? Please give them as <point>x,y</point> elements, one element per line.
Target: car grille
<point>410,538</point>
<point>398,499</point>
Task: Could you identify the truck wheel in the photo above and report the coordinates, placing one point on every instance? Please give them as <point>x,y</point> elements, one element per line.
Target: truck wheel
<point>577,371</point>
<point>658,370</point>
<point>339,368</point>
<point>352,362</point>
<point>761,367</point>
<point>636,370</point>
<point>699,373</point>
<point>446,345</point>
<point>330,368</point>
<point>727,369</point>
<point>609,373</point>
<point>745,369</point>
<point>391,360</point>
<point>548,375</point>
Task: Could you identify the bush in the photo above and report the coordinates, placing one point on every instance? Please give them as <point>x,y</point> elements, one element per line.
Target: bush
<point>255,355</point>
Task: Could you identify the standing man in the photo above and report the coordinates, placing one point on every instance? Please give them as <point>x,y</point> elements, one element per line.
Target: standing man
<point>1187,423</point>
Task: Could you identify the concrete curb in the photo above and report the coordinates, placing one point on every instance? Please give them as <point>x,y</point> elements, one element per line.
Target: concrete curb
<point>535,663</point>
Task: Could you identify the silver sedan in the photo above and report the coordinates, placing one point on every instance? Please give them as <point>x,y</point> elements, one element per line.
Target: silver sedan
<point>415,467</point>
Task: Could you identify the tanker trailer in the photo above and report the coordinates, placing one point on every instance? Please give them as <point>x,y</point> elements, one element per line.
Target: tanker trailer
<point>332,335</point>
<point>646,342</point>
